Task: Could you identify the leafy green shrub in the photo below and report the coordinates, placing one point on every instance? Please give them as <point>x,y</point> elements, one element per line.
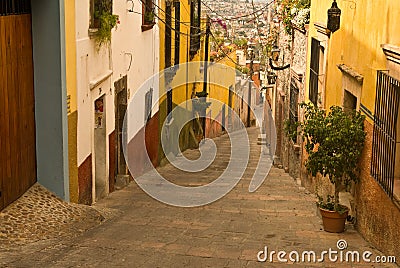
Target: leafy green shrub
<point>334,142</point>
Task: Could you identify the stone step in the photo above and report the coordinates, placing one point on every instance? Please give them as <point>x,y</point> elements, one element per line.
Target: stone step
<point>262,137</point>
<point>121,182</point>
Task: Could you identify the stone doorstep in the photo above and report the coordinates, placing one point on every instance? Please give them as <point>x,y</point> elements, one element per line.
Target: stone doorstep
<point>121,181</point>
<point>262,137</point>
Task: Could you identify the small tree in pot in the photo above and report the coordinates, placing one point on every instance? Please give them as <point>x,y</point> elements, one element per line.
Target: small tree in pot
<point>334,142</point>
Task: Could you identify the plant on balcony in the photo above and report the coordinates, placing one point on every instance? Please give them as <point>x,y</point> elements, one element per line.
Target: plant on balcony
<point>149,17</point>
<point>334,142</point>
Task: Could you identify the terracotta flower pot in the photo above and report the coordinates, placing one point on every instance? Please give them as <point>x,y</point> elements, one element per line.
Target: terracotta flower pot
<point>333,221</point>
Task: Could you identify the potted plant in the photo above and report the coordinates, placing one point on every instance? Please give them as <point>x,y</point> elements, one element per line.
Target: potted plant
<point>149,17</point>
<point>334,142</point>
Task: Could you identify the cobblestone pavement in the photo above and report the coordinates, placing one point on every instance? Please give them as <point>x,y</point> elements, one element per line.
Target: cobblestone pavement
<point>227,233</point>
<point>40,215</point>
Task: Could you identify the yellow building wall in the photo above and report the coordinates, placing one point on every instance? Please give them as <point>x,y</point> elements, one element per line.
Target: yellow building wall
<point>221,77</point>
<point>70,55</point>
<point>180,91</point>
<point>365,25</point>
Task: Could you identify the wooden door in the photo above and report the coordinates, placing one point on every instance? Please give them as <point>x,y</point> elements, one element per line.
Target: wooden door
<point>121,104</point>
<point>17,102</point>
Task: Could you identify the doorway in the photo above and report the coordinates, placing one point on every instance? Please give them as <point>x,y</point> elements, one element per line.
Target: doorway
<point>17,102</point>
<point>349,102</point>
<point>100,145</point>
<point>121,104</point>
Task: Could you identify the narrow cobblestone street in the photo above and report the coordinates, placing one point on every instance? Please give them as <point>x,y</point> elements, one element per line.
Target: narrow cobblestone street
<point>142,232</point>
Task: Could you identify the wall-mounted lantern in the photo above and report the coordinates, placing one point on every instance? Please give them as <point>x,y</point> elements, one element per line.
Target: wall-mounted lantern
<point>333,17</point>
<point>275,52</point>
<point>271,78</point>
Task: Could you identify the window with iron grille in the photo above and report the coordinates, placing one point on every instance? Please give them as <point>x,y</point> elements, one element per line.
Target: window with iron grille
<point>195,14</point>
<point>314,71</point>
<point>177,31</point>
<point>385,139</point>
<point>293,107</point>
<point>15,7</point>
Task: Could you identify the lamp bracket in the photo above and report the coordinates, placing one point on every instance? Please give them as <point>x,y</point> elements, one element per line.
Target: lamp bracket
<point>278,68</point>
<point>133,4</point>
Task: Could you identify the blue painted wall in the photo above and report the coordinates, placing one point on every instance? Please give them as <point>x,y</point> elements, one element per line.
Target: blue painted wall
<point>50,95</point>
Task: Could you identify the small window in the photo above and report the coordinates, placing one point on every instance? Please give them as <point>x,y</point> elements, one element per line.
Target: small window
<point>148,15</point>
<point>97,8</point>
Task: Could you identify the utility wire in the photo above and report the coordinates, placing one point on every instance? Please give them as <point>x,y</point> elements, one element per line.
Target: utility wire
<point>188,23</point>
<point>238,17</point>
<point>169,26</point>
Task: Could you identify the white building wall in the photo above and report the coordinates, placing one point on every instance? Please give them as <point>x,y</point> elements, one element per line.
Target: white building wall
<point>135,54</point>
<point>98,69</point>
<point>93,66</point>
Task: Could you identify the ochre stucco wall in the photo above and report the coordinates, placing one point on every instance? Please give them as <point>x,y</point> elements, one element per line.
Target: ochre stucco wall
<point>70,57</point>
<point>365,25</point>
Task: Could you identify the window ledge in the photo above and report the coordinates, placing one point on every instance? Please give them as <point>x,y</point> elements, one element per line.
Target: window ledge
<point>322,28</point>
<point>348,70</point>
<point>92,32</point>
<point>146,27</point>
<point>297,74</point>
<point>392,52</point>
<point>98,80</point>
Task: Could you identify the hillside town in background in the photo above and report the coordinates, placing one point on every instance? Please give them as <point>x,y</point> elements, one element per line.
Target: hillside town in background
<point>73,71</point>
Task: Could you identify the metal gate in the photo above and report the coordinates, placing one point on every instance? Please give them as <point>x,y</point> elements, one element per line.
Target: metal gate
<point>384,140</point>
<point>17,118</point>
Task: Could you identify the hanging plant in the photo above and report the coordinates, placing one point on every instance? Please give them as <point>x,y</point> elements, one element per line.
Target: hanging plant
<point>149,17</point>
<point>107,21</point>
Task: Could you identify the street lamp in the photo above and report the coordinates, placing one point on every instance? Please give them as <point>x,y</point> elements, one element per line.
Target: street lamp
<point>271,78</point>
<point>275,52</point>
<point>333,17</point>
